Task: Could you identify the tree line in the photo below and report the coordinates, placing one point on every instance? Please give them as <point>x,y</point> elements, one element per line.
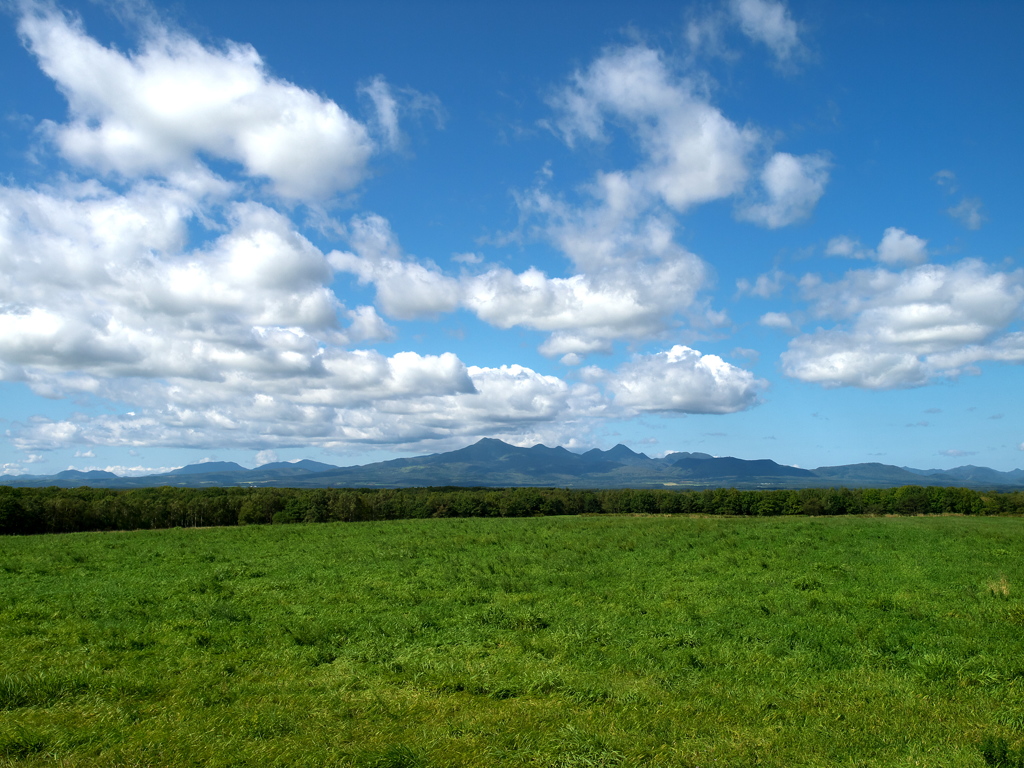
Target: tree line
<point>64,510</point>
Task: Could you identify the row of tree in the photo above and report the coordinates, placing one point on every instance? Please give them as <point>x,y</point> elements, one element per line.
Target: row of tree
<point>61,510</point>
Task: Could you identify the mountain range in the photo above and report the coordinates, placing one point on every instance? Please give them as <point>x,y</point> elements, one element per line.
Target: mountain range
<point>491,462</point>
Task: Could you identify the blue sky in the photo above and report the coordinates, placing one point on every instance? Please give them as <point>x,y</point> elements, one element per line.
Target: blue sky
<point>356,231</point>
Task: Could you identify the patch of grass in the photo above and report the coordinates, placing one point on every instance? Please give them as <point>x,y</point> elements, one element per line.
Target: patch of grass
<point>573,641</point>
<point>1000,588</point>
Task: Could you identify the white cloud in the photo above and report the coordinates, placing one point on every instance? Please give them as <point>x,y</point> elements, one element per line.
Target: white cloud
<point>238,339</point>
<point>682,380</point>
<point>904,329</point>
<point>631,278</point>
<point>768,22</point>
<point>848,247</point>
<point>636,278</point>
<point>694,154</point>
<point>792,185</point>
<point>777,320</point>
<point>406,399</point>
<point>158,109</point>
<point>213,319</point>
<point>17,467</point>
<point>266,457</point>
<point>968,212</point>
<point>898,247</point>
<point>584,313</point>
<point>834,359</point>
<point>95,283</point>
<point>406,289</point>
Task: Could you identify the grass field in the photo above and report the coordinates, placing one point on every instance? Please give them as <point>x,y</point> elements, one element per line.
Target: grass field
<point>573,641</point>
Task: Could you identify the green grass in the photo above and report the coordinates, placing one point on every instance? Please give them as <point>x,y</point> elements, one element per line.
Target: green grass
<point>584,641</point>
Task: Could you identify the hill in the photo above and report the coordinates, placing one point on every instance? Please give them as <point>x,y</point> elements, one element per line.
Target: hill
<point>491,462</point>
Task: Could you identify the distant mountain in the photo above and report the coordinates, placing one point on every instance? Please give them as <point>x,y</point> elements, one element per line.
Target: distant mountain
<point>737,468</point>
<point>870,474</point>
<point>491,462</point>
<point>208,468</point>
<point>92,474</point>
<point>304,465</point>
<point>672,458</point>
<point>973,474</point>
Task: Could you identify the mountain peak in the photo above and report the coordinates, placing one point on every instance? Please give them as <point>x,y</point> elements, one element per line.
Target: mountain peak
<point>620,454</point>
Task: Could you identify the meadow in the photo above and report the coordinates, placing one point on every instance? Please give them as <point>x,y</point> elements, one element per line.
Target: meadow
<point>610,640</point>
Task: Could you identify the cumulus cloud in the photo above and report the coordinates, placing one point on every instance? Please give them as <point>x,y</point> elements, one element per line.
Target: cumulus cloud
<point>777,320</point>
<point>213,319</point>
<point>904,329</point>
<point>768,22</point>
<point>266,457</point>
<point>847,247</point>
<point>98,283</point>
<point>158,109</point>
<point>634,278</point>
<point>631,277</point>
<point>18,467</point>
<point>238,342</point>
<point>682,380</point>
<point>407,399</point>
<point>792,186</point>
<point>693,152</point>
<point>406,288</point>
<point>898,247</point>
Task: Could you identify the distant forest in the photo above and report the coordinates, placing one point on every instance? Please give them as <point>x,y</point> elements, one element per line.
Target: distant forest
<point>64,510</point>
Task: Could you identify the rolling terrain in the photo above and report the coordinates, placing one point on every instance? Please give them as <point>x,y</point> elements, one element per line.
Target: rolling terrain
<point>491,462</point>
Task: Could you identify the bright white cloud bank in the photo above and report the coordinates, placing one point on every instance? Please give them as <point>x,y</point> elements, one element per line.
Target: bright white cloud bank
<point>154,111</point>
<point>685,381</point>
<point>904,329</point>
<point>239,340</point>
